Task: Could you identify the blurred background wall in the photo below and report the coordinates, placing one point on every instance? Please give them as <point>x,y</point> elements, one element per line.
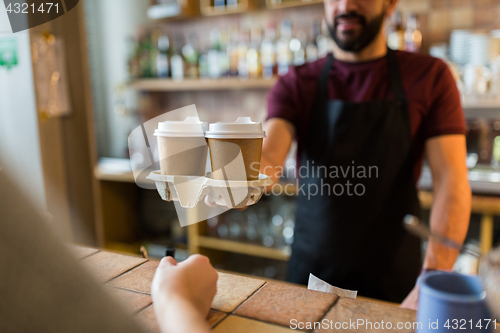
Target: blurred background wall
<point>19,137</point>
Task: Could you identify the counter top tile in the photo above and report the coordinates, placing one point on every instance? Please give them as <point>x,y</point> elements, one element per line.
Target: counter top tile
<point>236,324</point>
<point>214,317</point>
<point>147,319</point>
<point>280,303</point>
<point>232,290</point>
<point>349,309</point>
<point>81,252</point>
<point>139,279</point>
<point>130,300</point>
<point>106,265</point>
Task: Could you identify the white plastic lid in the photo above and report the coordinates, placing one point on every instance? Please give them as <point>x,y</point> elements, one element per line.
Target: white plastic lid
<point>242,128</point>
<point>190,127</point>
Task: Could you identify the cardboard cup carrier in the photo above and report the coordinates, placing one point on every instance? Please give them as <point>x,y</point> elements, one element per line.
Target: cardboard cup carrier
<point>235,151</point>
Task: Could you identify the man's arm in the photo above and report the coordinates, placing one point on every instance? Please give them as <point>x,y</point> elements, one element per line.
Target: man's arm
<point>279,137</point>
<point>451,208</point>
<point>450,211</point>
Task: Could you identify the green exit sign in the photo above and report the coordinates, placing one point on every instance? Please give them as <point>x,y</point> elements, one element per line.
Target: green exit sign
<point>8,52</point>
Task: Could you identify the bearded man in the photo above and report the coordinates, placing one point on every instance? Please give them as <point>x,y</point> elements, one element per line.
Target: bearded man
<point>367,106</point>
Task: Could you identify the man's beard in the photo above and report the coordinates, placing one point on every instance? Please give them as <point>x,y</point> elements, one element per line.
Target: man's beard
<point>368,33</point>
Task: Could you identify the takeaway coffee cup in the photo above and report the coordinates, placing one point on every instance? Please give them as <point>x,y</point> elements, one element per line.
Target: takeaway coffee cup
<point>235,149</point>
<point>452,302</point>
<point>182,147</point>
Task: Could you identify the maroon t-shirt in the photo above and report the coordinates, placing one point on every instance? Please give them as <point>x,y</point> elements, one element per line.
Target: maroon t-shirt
<point>434,101</point>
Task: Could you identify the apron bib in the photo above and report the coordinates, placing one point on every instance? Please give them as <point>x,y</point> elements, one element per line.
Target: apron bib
<point>359,162</point>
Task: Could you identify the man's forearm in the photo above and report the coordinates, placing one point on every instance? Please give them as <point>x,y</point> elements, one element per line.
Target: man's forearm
<point>450,217</point>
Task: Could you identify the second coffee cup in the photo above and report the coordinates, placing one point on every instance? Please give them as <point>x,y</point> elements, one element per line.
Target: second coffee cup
<point>182,147</point>
<point>235,149</point>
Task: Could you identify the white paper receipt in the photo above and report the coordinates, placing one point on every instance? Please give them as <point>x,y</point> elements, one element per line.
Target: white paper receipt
<point>320,285</point>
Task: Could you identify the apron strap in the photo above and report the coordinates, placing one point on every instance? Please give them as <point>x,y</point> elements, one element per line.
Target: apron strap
<point>395,76</point>
<point>318,107</point>
<point>321,91</point>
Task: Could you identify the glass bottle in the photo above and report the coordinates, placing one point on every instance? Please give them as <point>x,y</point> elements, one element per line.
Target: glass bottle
<point>297,46</point>
<point>190,55</point>
<point>242,55</point>
<point>203,65</point>
<point>133,63</point>
<point>213,54</point>
<point>176,61</point>
<point>154,52</point>
<point>253,53</point>
<point>223,55</point>
<point>162,66</point>
<point>268,52</point>
<point>413,36</point>
<point>396,35</point>
<point>145,59</point>
<point>311,47</point>
<point>283,53</point>
<point>232,51</point>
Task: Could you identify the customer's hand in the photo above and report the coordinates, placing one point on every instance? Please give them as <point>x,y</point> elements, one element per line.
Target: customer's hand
<point>183,293</point>
<point>411,301</point>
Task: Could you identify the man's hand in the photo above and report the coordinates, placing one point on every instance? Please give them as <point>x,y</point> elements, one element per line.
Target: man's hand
<point>411,301</point>
<point>183,293</point>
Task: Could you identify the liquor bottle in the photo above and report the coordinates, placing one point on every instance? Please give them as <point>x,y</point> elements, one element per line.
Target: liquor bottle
<point>144,58</point>
<point>311,47</point>
<point>396,35</point>
<point>284,55</point>
<point>213,54</point>
<point>268,52</point>
<point>133,63</point>
<point>324,41</point>
<point>232,51</point>
<point>231,4</point>
<point>219,5</point>
<point>413,37</point>
<point>190,55</point>
<point>495,158</point>
<point>242,55</point>
<point>162,66</point>
<point>203,65</point>
<point>297,47</point>
<point>223,55</point>
<point>154,52</point>
<point>253,53</point>
<point>176,61</point>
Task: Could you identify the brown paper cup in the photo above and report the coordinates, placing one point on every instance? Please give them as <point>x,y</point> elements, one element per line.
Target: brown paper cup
<point>182,156</point>
<point>224,154</point>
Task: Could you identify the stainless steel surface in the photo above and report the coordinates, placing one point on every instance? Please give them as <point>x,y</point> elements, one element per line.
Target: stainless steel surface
<point>483,180</point>
<point>414,226</point>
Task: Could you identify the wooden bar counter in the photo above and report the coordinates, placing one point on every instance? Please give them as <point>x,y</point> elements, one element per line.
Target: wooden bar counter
<point>244,304</point>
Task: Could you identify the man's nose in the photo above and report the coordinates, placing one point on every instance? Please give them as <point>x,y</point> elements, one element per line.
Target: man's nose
<point>346,6</point>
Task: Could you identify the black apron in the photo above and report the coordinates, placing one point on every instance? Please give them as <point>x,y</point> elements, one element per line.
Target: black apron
<point>350,233</point>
